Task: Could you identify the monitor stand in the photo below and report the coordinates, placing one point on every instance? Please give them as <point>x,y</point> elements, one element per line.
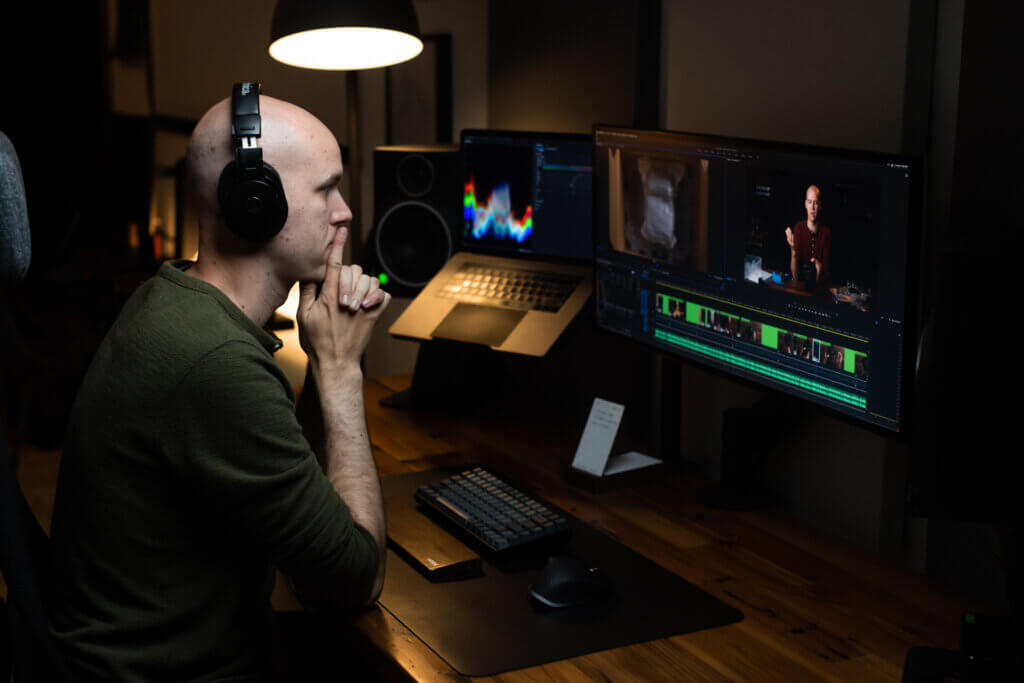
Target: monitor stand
<point>449,376</point>
<point>452,376</point>
<point>748,435</point>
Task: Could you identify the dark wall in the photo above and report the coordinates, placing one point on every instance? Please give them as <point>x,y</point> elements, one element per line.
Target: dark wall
<point>563,66</point>
<point>963,470</point>
<point>53,111</point>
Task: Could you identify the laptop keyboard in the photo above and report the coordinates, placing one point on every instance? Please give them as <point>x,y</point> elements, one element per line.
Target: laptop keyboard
<point>510,288</point>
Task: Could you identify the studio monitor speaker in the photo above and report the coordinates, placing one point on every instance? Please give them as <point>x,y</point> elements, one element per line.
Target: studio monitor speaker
<point>417,214</point>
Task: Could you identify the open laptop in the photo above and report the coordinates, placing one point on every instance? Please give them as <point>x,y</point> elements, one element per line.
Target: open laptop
<point>522,269</point>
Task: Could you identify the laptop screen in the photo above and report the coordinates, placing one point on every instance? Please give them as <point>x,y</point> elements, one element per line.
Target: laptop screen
<point>527,194</point>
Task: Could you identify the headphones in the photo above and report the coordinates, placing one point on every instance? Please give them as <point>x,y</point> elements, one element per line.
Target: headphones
<point>250,193</point>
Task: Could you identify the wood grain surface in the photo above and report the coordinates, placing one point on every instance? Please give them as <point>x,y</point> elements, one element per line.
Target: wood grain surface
<point>816,607</point>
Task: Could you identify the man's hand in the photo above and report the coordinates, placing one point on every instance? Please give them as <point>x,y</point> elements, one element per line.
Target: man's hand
<point>789,237</point>
<point>334,329</point>
<point>335,325</point>
<point>817,266</point>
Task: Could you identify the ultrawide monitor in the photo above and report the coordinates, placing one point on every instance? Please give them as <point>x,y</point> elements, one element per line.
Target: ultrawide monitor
<point>782,264</point>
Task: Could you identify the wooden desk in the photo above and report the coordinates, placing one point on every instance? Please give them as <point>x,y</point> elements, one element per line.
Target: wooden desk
<point>816,607</point>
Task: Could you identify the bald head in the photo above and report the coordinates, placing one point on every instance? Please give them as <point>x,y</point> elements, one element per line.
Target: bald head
<point>812,203</point>
<point>291,136</point>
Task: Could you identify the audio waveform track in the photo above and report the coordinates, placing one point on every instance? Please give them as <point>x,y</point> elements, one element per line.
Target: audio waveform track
<point>769,371</point>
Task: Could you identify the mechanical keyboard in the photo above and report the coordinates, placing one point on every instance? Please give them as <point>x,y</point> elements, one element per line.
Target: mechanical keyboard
<point>496,514</point>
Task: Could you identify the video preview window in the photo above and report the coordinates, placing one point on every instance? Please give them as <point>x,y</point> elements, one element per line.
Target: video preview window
<point>660,205</point>
<point>813,236</point>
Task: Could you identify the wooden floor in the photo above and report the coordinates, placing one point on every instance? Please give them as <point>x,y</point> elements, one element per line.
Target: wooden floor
<point>37,472</point>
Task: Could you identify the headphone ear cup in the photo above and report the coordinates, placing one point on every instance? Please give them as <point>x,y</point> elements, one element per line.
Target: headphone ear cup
<point>254,208</point>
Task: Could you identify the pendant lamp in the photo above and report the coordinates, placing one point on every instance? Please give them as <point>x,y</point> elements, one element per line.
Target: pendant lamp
<point>344,35</point>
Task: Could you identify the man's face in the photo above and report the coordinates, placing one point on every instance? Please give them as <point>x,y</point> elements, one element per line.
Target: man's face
<point>316,209</point>
<point>812,203</point>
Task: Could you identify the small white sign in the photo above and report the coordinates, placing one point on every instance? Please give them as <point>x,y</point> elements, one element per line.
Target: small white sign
<point>624,462</point>
<point>592,455</point>
<point>598,437</point>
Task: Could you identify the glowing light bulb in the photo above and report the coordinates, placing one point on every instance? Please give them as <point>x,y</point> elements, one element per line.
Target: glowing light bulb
<point>346,48</point>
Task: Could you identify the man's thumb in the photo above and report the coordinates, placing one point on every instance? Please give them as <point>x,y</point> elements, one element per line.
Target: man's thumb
<point>307,296</point>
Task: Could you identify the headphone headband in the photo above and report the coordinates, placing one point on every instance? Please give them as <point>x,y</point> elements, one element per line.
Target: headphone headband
<point>246,127</point>
<point>245,110</point>
<point>251,196</point>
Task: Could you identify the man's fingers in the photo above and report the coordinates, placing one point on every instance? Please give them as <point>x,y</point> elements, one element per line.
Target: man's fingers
<point>374,298</point>
<point>334,267</point>
<point>360,291</point>
<point>345,286</point>
<point>350,278</point>
<point>374,287</point>
<point>379,299</point>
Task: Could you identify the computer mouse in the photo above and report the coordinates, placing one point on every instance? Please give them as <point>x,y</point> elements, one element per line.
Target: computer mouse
<point>566,581</point>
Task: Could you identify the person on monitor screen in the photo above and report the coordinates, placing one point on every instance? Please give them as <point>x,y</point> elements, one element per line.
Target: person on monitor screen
<point>186,475</point>
<point>810,242</point>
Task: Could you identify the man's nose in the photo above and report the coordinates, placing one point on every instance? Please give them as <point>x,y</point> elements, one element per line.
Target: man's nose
<point>340,213</point>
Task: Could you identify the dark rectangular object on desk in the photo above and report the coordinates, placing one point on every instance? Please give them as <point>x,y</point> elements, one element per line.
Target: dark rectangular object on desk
<point>428,547</point>
<point>487,625</point>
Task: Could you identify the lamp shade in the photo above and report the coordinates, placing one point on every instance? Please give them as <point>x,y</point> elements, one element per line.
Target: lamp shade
<point>344,34</point>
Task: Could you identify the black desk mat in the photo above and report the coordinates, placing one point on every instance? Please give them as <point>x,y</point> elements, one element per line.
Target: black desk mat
<point>487,625</point>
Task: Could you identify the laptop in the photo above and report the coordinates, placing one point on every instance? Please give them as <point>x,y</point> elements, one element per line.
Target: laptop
<point>522,269</point>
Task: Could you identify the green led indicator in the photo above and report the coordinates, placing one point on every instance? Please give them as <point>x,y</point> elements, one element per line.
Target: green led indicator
<point>383,277</point>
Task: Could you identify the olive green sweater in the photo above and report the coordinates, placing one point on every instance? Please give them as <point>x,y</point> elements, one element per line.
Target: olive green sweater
<point>185,479</point>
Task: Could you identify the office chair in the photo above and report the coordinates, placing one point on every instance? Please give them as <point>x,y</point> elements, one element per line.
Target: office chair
<point>29,648</point>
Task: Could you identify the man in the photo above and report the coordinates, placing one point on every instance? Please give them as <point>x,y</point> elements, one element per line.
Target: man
<point>186,476</point>
<point>809,244</point>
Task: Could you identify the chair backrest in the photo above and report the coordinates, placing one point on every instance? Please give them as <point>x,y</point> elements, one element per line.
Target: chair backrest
<point>15,238</point>
<point>23,543</point>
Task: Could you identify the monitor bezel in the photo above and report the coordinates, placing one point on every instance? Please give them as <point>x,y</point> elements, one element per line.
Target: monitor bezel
<point>912,267</point>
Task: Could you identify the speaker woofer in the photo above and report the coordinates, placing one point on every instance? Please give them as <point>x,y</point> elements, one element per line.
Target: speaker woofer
<point>413,243</point>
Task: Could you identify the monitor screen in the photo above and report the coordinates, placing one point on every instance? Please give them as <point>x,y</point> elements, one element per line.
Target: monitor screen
<point>782,264</point>
<point>527,193</point>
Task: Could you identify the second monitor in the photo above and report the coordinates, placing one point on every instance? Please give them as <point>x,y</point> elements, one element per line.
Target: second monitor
<point>787,265</point>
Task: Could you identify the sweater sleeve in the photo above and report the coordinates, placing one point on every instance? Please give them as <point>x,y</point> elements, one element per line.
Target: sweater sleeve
<point>244,451</point>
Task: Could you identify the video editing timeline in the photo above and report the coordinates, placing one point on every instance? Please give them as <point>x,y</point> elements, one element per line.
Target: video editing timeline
<point>807,363</point>
<point>528,193</point>
<point>783,264</point>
